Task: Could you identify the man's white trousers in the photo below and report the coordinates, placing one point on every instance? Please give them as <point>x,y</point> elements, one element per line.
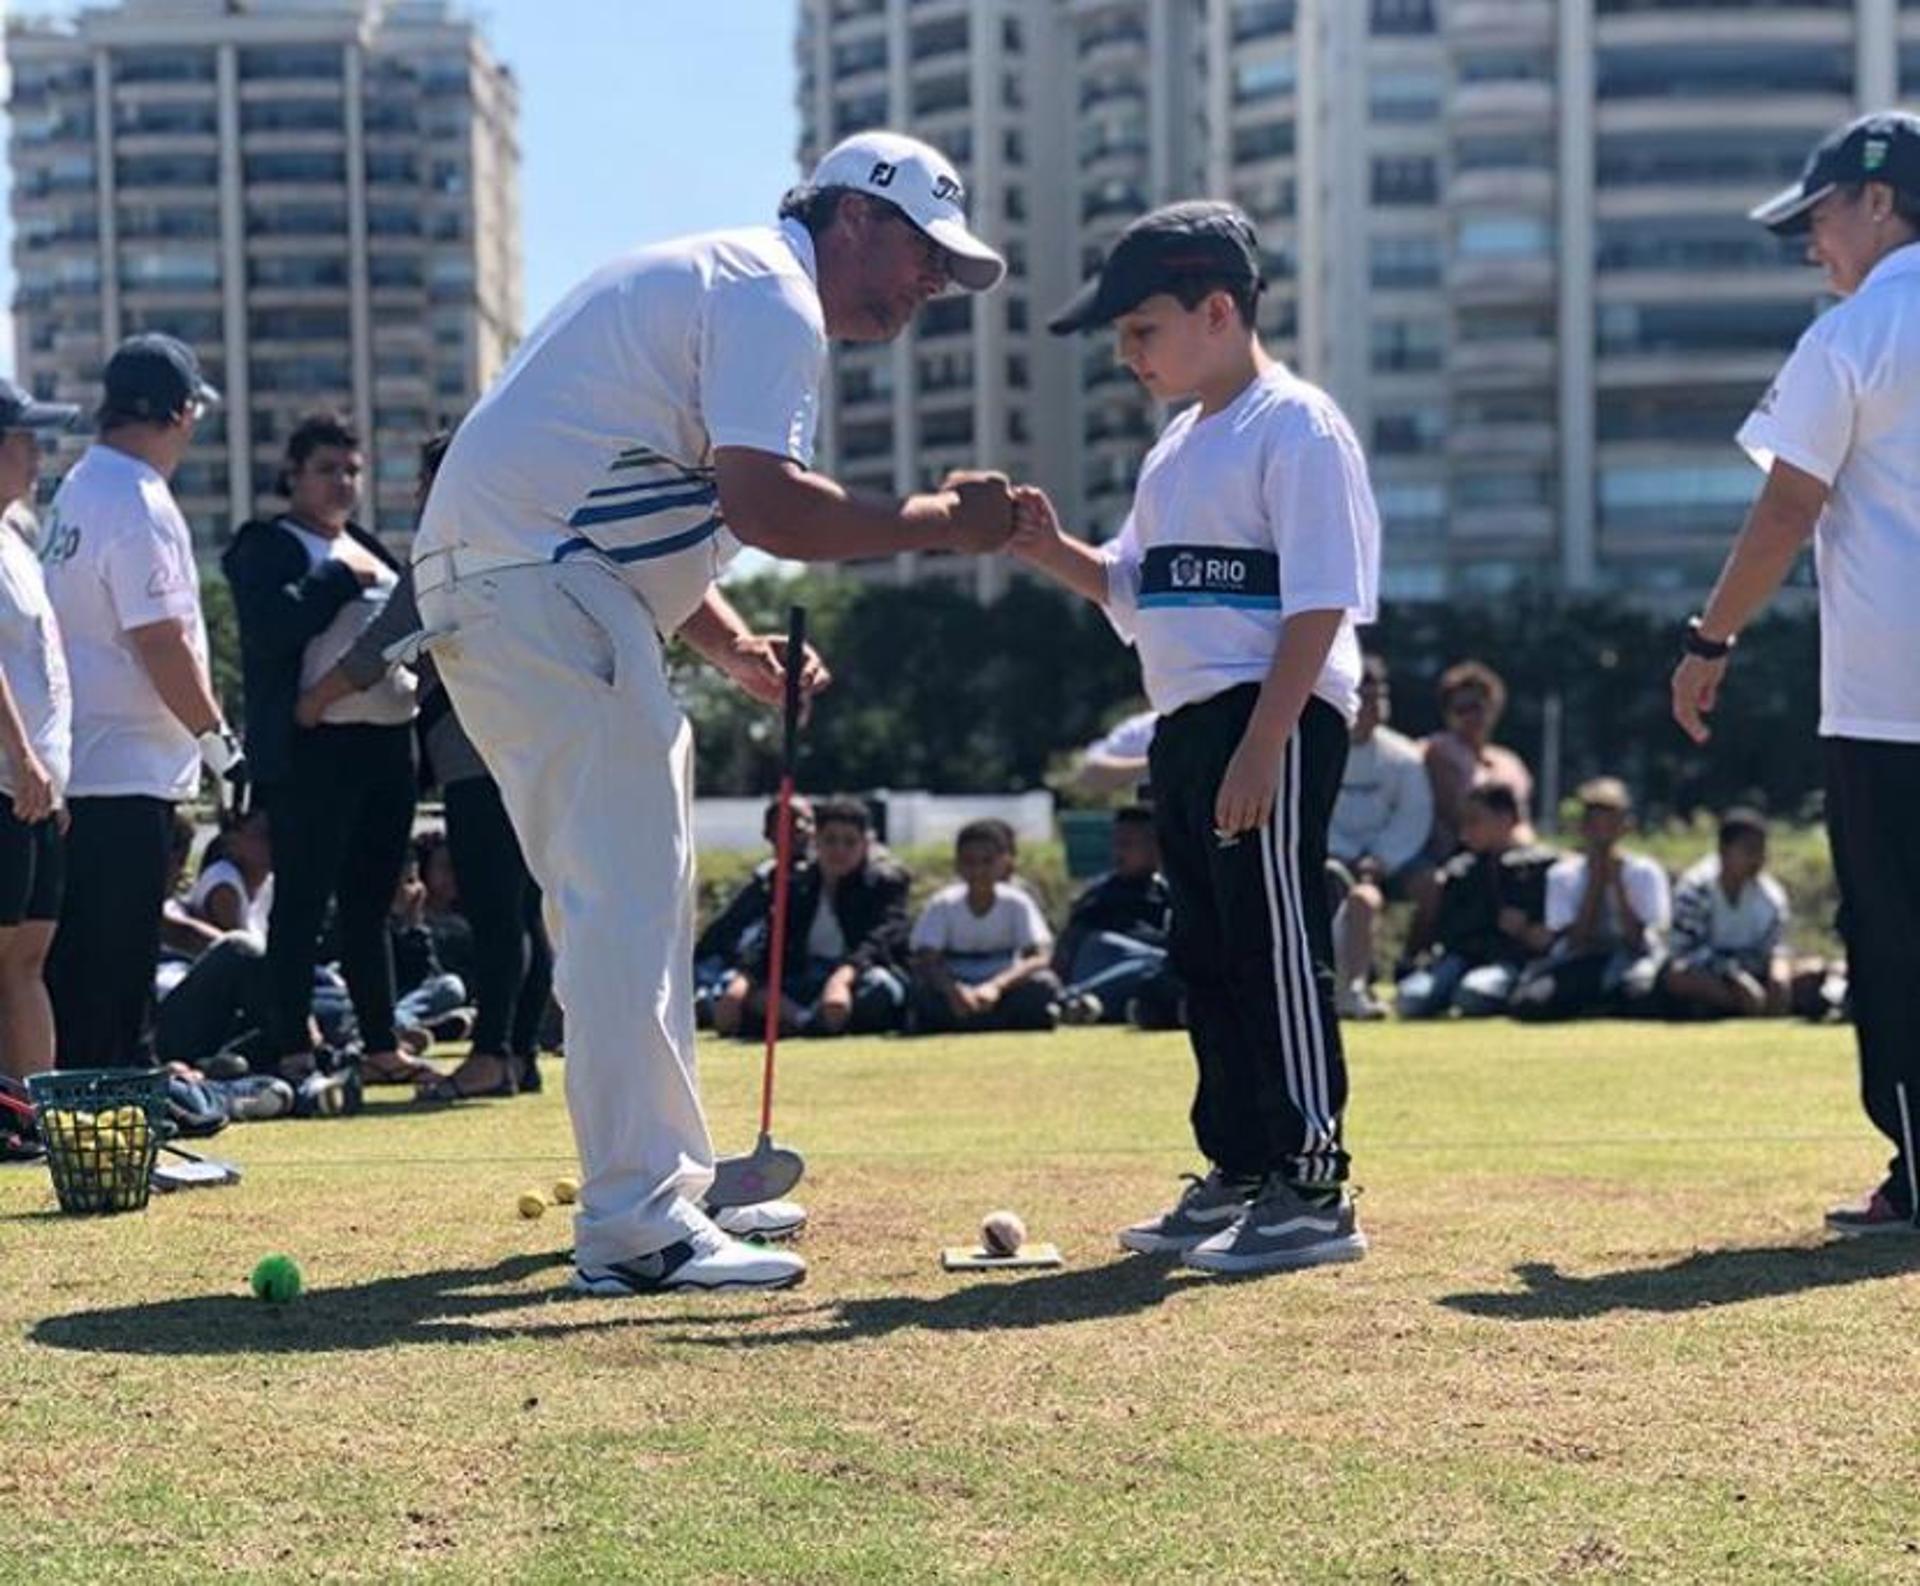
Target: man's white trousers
<point>558,677</point>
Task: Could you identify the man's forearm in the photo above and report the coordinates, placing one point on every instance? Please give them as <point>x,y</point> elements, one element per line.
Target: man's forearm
<point>1776,529</point>
<point>177,676</point>
<point>13,731</point>
<point>816,520</point>
<point>713,629</point>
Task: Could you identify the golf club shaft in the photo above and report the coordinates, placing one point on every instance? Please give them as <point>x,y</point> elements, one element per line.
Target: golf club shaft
<point>782,856</point>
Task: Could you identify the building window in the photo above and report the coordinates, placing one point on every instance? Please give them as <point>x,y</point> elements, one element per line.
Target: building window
<point>167,118</point>
<point>1758,156</point>
<point>1399,17</point>
<point>866,440</point>
<point>949,36</point>
<point>1701,243</point>
<point>1410,431</point>
<point>1676,497</point>
<point>946,316</point>
<point>164,170</point>
<point>1505,237</point>
<point>860,55</point>
<point>297,115</point>
<point>1405,96</point>
<point>297,166</point>
<point>1630,328</point>
<point>302,269</point>
<point>1015,203</point>
<point>859,113</point>
<point>171,270</point>
<point>1724,70</point>
<point>1407,345</point>
<point>149,65</point>
<point>283,62</point>
<point>1517,487</point>
<point>1260,19</point>
<point>1504,153</point>
<point>1274,77</point>
<point>1406,262</point>
<point>1405,179</point>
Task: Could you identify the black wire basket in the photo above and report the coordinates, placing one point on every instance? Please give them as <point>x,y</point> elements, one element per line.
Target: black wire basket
<point>102,1128</point>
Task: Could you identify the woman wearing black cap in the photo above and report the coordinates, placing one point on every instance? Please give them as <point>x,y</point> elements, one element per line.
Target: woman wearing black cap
<point>1839,436</point>
<point>339,795</point>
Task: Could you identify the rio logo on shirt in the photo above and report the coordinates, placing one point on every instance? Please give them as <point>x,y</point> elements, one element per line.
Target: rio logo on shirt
<point>1210,575</point>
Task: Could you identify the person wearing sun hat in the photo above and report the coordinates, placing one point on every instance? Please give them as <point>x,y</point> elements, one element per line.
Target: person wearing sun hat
<point>1838,434</point>
<point>662,416</point>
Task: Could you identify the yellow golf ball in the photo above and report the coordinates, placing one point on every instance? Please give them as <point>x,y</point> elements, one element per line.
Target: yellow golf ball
<point>565,1191</point>
<point>533,1204</point>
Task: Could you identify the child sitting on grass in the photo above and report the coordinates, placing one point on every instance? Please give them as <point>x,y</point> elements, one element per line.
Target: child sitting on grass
<point>980,948</point>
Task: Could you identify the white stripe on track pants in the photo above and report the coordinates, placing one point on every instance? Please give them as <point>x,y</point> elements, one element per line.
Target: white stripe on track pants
<point>558,677</point>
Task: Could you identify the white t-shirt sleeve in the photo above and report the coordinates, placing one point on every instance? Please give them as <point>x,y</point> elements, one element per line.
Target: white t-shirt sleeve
<point>1566,886</point>
<point>1032,928</point>
<point>1806,417</point>
<point>149,573</point>
<point>1122,556</point>
<point>930,933</point>
<point>762,356</point>
<point>1326,527</point>
<point>1127,740</point>
<point>1645,882</point>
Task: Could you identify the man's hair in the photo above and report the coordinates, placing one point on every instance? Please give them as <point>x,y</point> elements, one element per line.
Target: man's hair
<point>1134,815</point>
<point>817,208</point>
<point>1464,675</point>
<point>1906,205</point>
<point>433,452</point>
<point>843,811</point>
<point>1192,291</point>
<point>1496,798</point>
<point>997,833</point>
<point>1742,821</point>
<point>309,435</point>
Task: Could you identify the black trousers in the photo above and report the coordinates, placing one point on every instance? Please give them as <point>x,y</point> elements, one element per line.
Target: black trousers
<point>100,969</point>
<point>512,961</point>
<point>223,1003</point>
<point>340,827</point>
<point>1253,942</point>
<point>1873,798</point>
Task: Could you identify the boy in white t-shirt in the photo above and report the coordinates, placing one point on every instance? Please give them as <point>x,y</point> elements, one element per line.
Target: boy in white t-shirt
<point>980,947</point>
<point>1608,910</point>
<point>1251,553</point>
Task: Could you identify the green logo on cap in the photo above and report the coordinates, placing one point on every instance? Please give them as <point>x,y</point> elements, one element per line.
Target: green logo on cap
<point>1874,155</point>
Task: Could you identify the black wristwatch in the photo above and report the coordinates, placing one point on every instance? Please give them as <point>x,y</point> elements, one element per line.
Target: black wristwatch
<point>1694,642</point>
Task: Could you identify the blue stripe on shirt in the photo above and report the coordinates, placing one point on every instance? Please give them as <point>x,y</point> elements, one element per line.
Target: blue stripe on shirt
<point>1204,597</point>
<point>642,553</point>
<point>619,511</point>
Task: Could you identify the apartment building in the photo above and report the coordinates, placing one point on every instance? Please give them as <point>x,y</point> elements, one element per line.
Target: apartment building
<point>321,196</point>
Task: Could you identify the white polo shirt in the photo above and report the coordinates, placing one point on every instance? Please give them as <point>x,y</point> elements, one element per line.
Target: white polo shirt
<point>598,438</point>
<point>1240,520</point>
<point>117,556</point>
<point>32,657</point>
<point>1846,409</point>
<point>1641,878</point>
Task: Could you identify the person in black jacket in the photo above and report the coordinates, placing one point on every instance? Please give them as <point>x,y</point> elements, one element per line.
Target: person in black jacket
<point>340,794</point>
<point>1115,942</point>
<point>729,935</point>
<point>847,927</point>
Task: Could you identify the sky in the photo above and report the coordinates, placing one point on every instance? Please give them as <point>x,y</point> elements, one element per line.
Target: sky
<point>639,120</point>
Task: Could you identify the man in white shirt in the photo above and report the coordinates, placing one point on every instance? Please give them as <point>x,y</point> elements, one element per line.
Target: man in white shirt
<point>36,735</point>
<point>1382,820</point>
<point>1608,911</point>
<point>1838,434</point>
<point>662,415</point>
<point>122,578</point>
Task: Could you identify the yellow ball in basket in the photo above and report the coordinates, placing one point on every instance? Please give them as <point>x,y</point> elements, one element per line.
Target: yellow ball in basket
<point>533,1204</point>
<point>1002,1233</point>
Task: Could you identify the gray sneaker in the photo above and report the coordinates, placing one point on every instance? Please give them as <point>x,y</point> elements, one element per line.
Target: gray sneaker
<point>1206,1207</point>
<point>1282,1230</point>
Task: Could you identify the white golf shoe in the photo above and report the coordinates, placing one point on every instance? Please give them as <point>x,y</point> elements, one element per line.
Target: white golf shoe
<point>705,1259</point>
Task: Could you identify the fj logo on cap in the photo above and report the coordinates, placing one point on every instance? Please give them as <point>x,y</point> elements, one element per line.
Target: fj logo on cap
<point>883,173</point>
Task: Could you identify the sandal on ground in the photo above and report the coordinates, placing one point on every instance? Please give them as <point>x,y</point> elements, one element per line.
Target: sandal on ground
<point>390,1068</point>
<point>445,1089</point>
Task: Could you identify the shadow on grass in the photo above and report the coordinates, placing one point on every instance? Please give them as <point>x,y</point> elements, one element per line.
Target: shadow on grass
<point>1120,1288</point>
<point>1701,1281</point>
<point>453,1305</point>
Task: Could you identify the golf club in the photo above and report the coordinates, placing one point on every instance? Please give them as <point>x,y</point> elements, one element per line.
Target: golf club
<point>770,1171</point>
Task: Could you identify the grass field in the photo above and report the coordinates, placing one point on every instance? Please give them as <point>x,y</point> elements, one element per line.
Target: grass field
<point>1599,1338</point>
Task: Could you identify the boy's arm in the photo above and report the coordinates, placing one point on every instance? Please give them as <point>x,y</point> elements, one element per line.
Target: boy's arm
<point>1039,541</point>
<point>1020,969</point>
<point>1586,923</point>
<point>1252,781</point>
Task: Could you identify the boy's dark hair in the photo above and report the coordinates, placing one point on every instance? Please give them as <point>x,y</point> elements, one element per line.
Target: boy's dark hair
<point>1009,838</point>
<point>309,435</point>
<point>1190,292</point>
<point>1134,815</point>
<point>1496,798</point>
<point>1742,821</point>
<point>843,812</point>
<point>996,833</point>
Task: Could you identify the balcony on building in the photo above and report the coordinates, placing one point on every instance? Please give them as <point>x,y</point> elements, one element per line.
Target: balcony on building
<point>1529,100</point>
<point>1531,188</point>
<point>1261,19</point>
<point>1477,22</point>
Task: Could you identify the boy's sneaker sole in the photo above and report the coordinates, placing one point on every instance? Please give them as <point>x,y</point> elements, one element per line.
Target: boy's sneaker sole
<point>1328,1252</point>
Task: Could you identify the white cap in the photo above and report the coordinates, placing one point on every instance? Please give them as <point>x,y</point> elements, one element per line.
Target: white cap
<point>921,182</point>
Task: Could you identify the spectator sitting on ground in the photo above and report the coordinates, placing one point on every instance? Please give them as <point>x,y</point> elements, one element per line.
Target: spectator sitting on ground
<point>431,1000</point>
<point>234,890</point>
<point>980,948</point>
<point>440,909</point>
<point>1491,916</point>
<point>1727,953</point>
<point>1608,912</point>
<point>1382,823</point>
<point>846,939</point>
<point>1115,940</point>
<point>730,937</point>
<point>184,936</point>
<point>1463,754</point>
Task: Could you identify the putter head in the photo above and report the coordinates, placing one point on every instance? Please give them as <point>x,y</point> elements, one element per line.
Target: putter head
<point>766,1173</point>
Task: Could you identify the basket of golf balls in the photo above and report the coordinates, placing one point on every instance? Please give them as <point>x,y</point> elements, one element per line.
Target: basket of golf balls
<point>102,1129</point>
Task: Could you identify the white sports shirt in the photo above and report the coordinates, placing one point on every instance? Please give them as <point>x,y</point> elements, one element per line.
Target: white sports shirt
<point>1846,409</point>
<point>598,438</point>
<point>118,555</point>
<point>32,657</point>
<point>1240,520</point>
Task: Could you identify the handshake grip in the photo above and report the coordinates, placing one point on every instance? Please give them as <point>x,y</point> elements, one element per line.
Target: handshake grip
<point>982,516</point>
